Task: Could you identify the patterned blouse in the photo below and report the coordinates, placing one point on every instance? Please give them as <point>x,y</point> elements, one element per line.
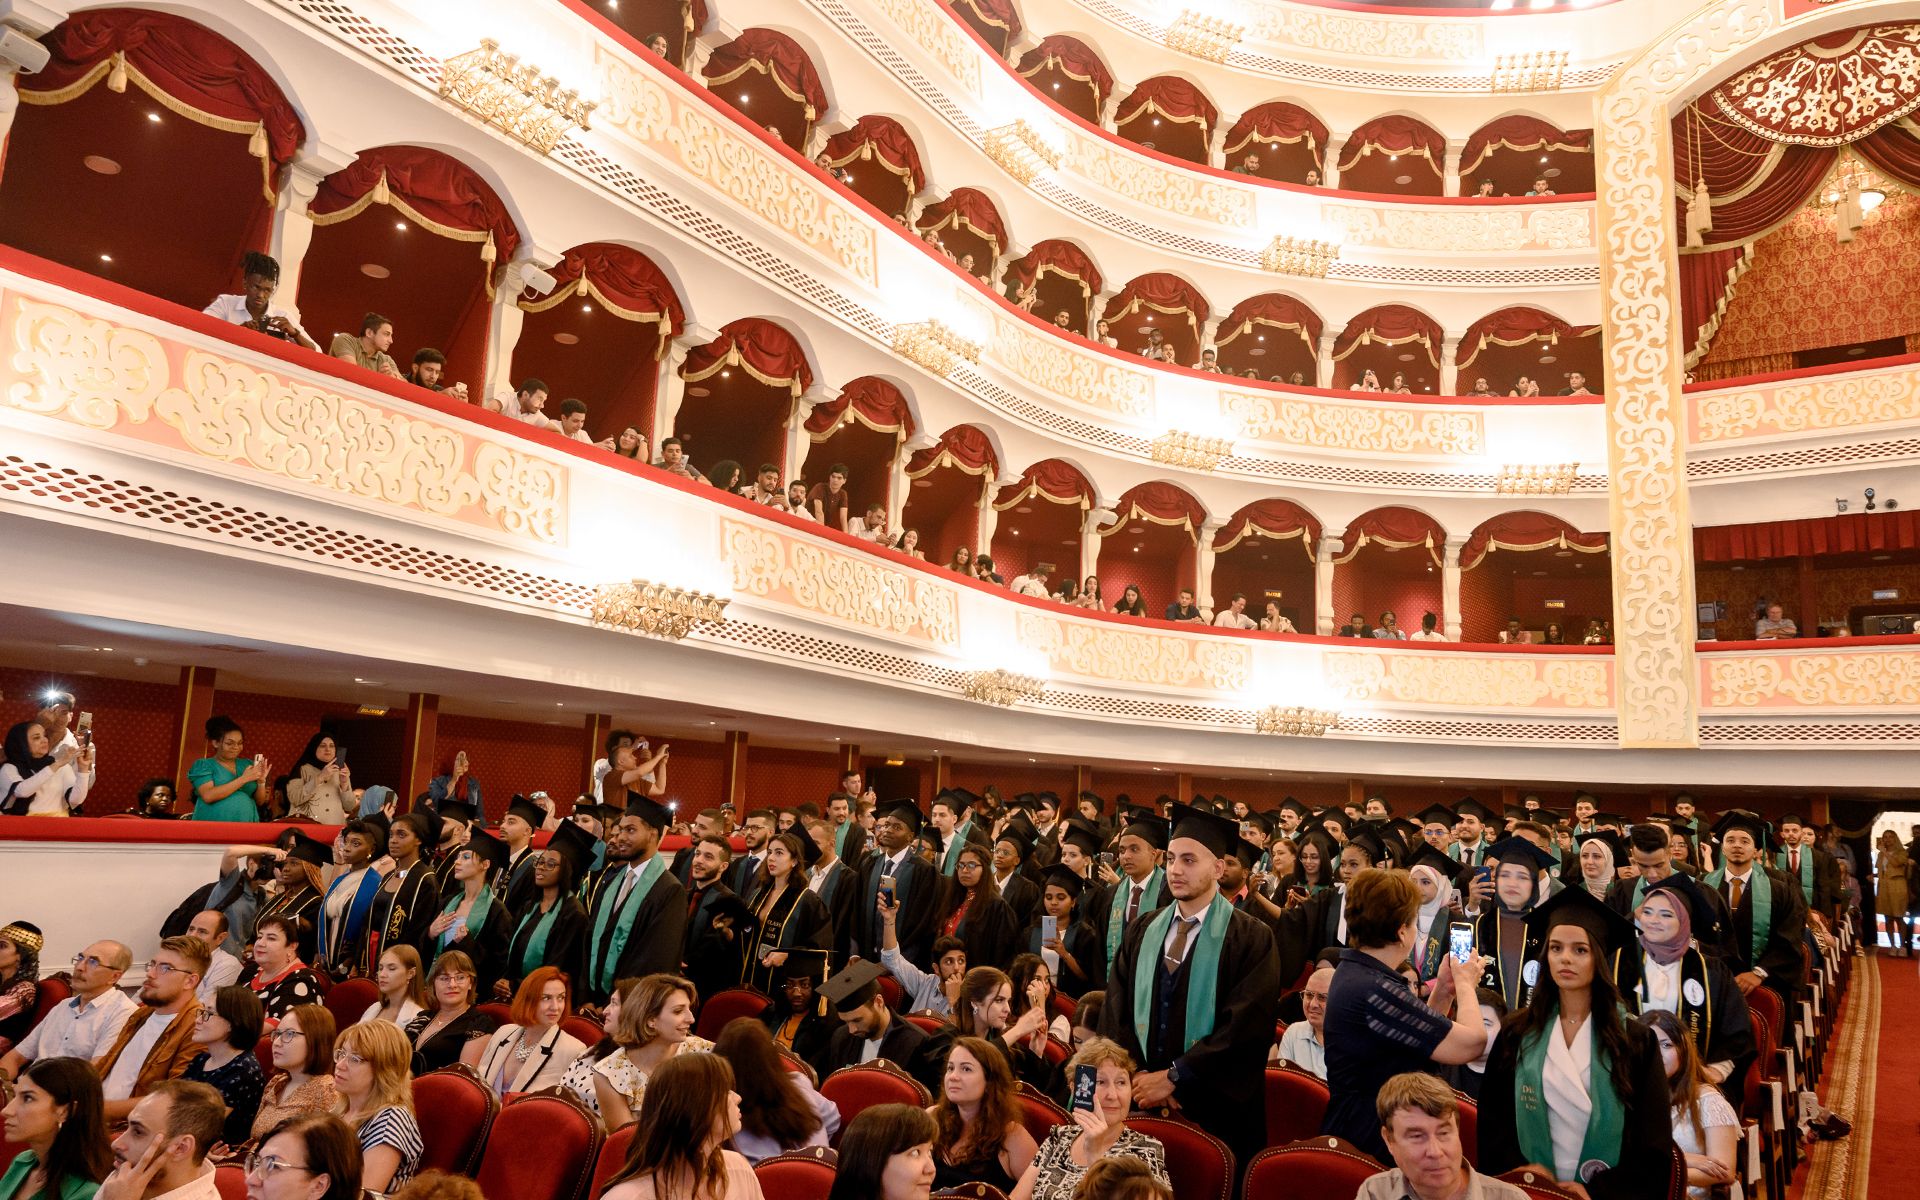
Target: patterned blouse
<point>1056,1175</point>
<point>291,988</point>
<point>239,1082</point>
<point>620,1073</point>
<point>317,1094</point>
<point>395,1127</point>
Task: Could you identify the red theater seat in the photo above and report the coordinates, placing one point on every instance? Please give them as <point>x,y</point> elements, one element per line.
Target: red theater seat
<point>568,1138</point>
<point>587,1033</point>
<point>801,1175</point>
<point>613,1156</point>
<point>499,1014</point>
<point>1296,1102</point>
<point>1198,1164</point>
<point>1536,1185</point>
<point>1325,1168</point>
<point>927,1022</point>
<point>53,991</point>
<point>231,1182</point>
<point>970,1191</point>
<point>349,998</point>
<point>1038,1113</point>
<point>456,1113</point>
<point>891,989</point>
<point>721,1008</point>
<point>855,1089</point>
<point>263,1054</point>
<point>1469,1128</point>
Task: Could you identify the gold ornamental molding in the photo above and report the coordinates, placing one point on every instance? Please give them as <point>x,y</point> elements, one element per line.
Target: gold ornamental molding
<point>1203,35</point>
<point>1305,257</point>
<point>1462,229</point>
<point>1295,720</point>
<point>1581,682</point>
<point>1001,687</point>
<point>1850,400</point>
<point>1020,150</point>
<point>1536,479</point>
<point>1050,364</point>
<point>655,609</point>
<point>1193,451</point>
<point>502,90</point>
<point>1880,678</point>
<point>1101,652</point>
<point>934,346</point>
<point>1412,429</point>
<point>1529,71</point>
<point>857,591</point>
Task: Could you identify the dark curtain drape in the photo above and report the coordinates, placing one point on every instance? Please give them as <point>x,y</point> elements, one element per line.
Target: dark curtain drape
<point>1527,531</point>
<point>1272,518</point>
<point>1874,531</point>
<point>1396,135</point>
<point>1526,134</point>
<point>1163,293</point>
<point>879,138</point>
<point>1516,326</point>
<point>780,57</point>
<point>1271,310</point>
<point>970,208</point>
<point>1050,479</point>
<point>1390,325</point>
<point>1396,529</point>
<point>964,446</point>
<point>1059,256</point>
<point>1706,282</point>
<point>1278,123</point>
<point>1163,504</point>
<point>439,191</point>
<point>1170,98</point>
<point>1071,57</point>
<point>621,280</point>
<point>870,400</point>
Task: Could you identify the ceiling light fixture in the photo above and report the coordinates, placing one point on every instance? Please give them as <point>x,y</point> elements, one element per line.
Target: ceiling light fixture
<point>1203,35</point>
<point>654,609</point>
<point>1305,257</point>
<point>1530,71</point>
<point>1295,720</point>
<point>934,346</point>
<point>1177,447</point>
<point>513,97</point>
<point>1550,479</point>
<point>1000,687</point>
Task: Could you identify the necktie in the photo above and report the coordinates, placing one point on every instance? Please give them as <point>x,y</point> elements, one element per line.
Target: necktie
<point>1733,901</point>
<point>1133,904</point>
<point>1177,948</point>
<point>1793,857</point>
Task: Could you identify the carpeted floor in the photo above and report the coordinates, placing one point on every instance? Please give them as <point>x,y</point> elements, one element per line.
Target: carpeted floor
<point>1873,1080</point>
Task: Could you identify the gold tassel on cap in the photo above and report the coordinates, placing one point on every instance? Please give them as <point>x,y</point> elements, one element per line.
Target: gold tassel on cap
<point>1699,214</point>
<point>381,195</point>
<point>487,252</point>
<point>117,74</point>
<point>257,144</point>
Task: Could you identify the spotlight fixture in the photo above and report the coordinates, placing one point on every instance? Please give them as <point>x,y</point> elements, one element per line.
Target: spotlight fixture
<point>655,609</point>
<point>512,96</point>
<point>1203,35</point>
<point>1536,479</point>
<point>1530,71</point>
<point>1000,687</point>
<point>1299,256</point>
<point>934,346</point>
<point>1295,720</point>
<point>1178,448</point>
<point>1020,150</point>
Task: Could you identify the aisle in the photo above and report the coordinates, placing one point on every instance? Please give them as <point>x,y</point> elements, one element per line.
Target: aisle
<point>1869,1050</point>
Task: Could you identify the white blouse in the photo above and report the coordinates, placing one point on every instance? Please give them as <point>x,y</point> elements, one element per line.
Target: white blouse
<point>1569,1104</point>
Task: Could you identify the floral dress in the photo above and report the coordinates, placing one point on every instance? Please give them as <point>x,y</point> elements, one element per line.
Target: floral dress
<point>620,1073</point>
<point>1056,1175</point>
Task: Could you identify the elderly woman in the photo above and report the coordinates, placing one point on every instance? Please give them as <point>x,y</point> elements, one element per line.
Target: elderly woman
<point>1096,1133</point>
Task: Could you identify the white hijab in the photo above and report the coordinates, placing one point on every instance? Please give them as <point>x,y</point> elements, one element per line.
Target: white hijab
<point>1442,897</point>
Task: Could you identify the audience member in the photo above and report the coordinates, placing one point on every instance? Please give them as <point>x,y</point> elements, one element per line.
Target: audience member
<point>779,1108</point>
<point>224,790</point>
<point>451,1030</point>
<point>1705,1125</point>
<point>439,1185</point>
<point>1576,382</point>
<point>370,1070</point>
<point>656,1023</point>
<point>1121,1179</point>
<point>318,1152</point>
<point>628,443</point>
<point>429,368</point>
<point>1274,621</point>
<point>276,973</point>
<point>527,404</point>
<point>1356,627</point>
<point>673,459</point>
<point>156,1043</point>
<point>228,1030</point>
<point>980,1137</point>
<point>886,1153</point>
<point>573,420</point>
<point>1304,1043</point>
<point>86,1024</point>
<point>323,792</point>
<point>532,1052</point>
<point>20,944</point>
<point>253,308</point>
<point>725,475</point>
<point>155,800</point>
<point>369,349</point>
<point>1389,628</point>
<point>1034,582</point>
<point>1775,625</point>
<point>55,1113</point>
<point>162,1152</point>
<point>1420,1125</point>
<point>1234,616</point>
<point>1098,1131</point>
<point>302,1081</point>
<point>679,1149</point>
<point>35,780</point>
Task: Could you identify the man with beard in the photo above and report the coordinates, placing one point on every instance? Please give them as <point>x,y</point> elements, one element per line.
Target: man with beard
<point>156,1043</point>
<point>714,911</point>
<point>1767,918</point>
<point>162,1153</point>
<point>836,883</point>
<point>755,833</point>
<point>797,1016</point>
<point>638,922</point>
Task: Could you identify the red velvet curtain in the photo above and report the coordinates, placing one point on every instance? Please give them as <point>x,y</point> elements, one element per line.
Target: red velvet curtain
<point>1272,310</point>
<point>206,75</point>
<point>762,349</point>
<point>1527,531</point>
<point>778,55</point>
<point>1051,479</point>
<point>872,401</point>
<point>1163,293</point>
<point>1059,256</point>
<point>437,189</point>
<point>1390,325</point>
<point>998,13</point>
<point>1894,150</point>
<point>964,446</point>
<point>971,208</point>
<point>1755,183</point>
<point>1520,133</point>
<point>1072,58</point>
<point>1396,135</point>
<point>1875,531</point>
<point>624,281</point>
<point>874,136</point>
<point>1511,327</point>
<point>1396,529</point>
<point>1827,90</point>
<point>1706,282</point>
<point>1162,503</point>
<point>1274,518</point>
<point>1278,122</point>
<point>1170,98</point>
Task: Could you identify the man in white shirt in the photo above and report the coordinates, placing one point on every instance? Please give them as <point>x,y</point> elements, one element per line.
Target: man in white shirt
<point>254,307</point>
<point>1420,1120</point>
<point>1304,1044</point>
<point>162,1153</point>
<point>1234,616</point>
<point>573,420</point>
<point>56,717</point>
<point>527,404</point>
<point>1427,631</point>
<point>210,926</point>
<point>87,1025</point>
<point>765,489</point>
<point>1034,582</point>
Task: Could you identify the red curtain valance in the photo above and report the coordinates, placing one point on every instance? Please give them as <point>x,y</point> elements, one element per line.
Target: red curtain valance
<point>1395,529</point>
<point>1050,479</point>
<point>882,139</point>
<point>1874,531</point>
<point>621,280</point>
<point>1894,151</point>
<point>1527,531</point>
<point>998,13</point>
<point>778,57</point>
<point>435,190</point>
<point>1161,503</point>
<point>1396,135</point>
<point>1518,326</point>
<point>1278,123</point>
<point>1828,90</point>
<point>185,66</point>
<point>871,401</point>
<point>762,349</point>
<point>1274,518</point>
<point>1526,134</point>
<point>1062,258</point>
<point>970,209</point>
<point>1706,285</point>
<point>697,16</point>
<point>1753,183</point>
<point>1073,58</point>
<point>965,447</point>
<point>1390,325</point>
<point>1170,98</point>
<point>1163,293</point>
<point>1271,310</point>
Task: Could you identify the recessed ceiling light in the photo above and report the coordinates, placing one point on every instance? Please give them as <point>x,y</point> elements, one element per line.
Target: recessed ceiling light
<point>106,258</point>
<point>400,225</point>
<point>154,117</point>
<point>567,339</point>
<point>1403,179</point>
<point>369,682</point>
<point>374,271</point>
<point>100,164</point>
<point>586,308</point>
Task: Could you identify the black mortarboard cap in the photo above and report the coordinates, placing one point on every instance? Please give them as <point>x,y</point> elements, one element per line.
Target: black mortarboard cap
<point>853,986</point>
<point>1468,806</point>
<point>1427,856</point>
<point>647,811</point>
<point>309,850</point>
<point>1613,819</point>
<point>490,848</point>
<point>1294,806</point>
<point>1519,849</point>
<point>527,811</point>
<point>1265,820</point>
<point>459,810</point>
<point>810,851</point>
<point>1064,878</point>
<point>1076,831</point>
<point>573,843</point>
<point>1615,844</point>
<point>1435,814</point>
<point>1150,829</point>
<point>906,812</point>
<point>1578,906</point>
<point>1700,907</point>
<point>1369,842</point>
<point>1338,817</point>
<point>1248,853</point>
<point>805,963</point>
<point>1752,822</point>
<point>1218,834</point>
<point>1020,831</point>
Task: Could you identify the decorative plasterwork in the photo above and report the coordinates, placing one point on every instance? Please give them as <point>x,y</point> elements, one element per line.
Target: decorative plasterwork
<point>863,590</point>
<point>1462,230</point>
<point>1104,653</point>
<point>1361,35</point>
<point>1322,424</point>
<point>1876,678</point>
<point>1049,364</point>
<point>1143,180</point>
<point>715,152</point>
<point>1828,95</point>
<point>105,375</point>
<point>1452,680</point>
<point>939,35</point>
<point>1203,35</point>
<point>1820,404</point>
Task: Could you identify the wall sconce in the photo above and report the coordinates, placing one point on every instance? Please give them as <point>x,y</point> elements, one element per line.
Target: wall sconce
<point>934,346</point>
<point>1203,36</point>
<point>512,96</point>
<point>1553,479</point>
<point>1532,71</point>
<point>1299,256</point>
<point>1295,720</point>
<point>1178,448</point>
<point>1020,150</point>
<point>1000,687</point>
<point>655,609</point>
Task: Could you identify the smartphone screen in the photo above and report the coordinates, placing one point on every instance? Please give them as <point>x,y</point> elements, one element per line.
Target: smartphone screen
<point>886,889</point>
<point>1460,940</point>
<point>1049,929</point>
<point>1084,1079</point>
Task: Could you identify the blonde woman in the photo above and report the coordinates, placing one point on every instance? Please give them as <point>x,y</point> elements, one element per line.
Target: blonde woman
<point>1095,1134</point>
<point>656,1023</point>
<point>370,1071</point>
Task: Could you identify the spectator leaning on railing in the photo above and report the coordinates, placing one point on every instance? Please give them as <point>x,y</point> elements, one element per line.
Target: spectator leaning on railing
<point>253,307</point>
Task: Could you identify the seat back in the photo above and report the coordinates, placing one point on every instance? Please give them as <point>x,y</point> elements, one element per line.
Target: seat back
<point>799,1066</point>
<point>720,1009</point>
<point>1064,1005</point>
<point>801,1175</point>
<point>1536,1185</point>
<point>1469,1128</point>
<point>1038,1113</point>
<point>568,1137</point>
<point>891,989</point>
<point>855,1089</point>
<point>231,1182</point>
<point>1199,1165</point>
<point>613,1156</point>
<point>1056,1052</point>
<point>587,1033</point>
<point>927,1022</point>
<point>53,990</point>
<point>970,1191</point>
<point>349,998</point>
<point>1296,1103</point>
<point>456,1113</point>
<point>500,1014</point>
<point>1325,1168</point>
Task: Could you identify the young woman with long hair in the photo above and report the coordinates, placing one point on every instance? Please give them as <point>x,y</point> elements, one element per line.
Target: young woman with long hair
<point>980,1137</point>
<point>1130,602</point>
<point>779,1109</point>
<point>656,1024</point>
<point>403,993</point>
<point>1705,1127</point>
<point>787,915</point>
<point>973,910</point>
<point>678,1152</point>
<point>1073,954</point>
<point>56,1113</point>
<point>886,1154</point>
<point>303,1068</point>
<point>1319,860</point>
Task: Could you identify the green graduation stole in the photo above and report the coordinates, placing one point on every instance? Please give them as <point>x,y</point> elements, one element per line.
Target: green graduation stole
<point>1203,970</point>
<point>1806,870</point>
<point>536,950</point>
<point>1760,892</point>
<point>1606,1124</point>
<point>1117,912</point>
<point>476,916</point>
<point>950,861</point>
<point>1430,960</point>
<point>840,838</point>
<point>600,973</point>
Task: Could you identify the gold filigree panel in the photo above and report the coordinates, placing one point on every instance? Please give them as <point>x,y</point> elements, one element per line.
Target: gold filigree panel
<point>1536,681</point>
<point>1330,425</point>
<point>1111,654</point>
<point>714,151</point>
<point>1462,229</point>
<point>940,35</point>
<point>858,589</point>
<point>1872,678</point>
<point>1052,365</point>
<point>114,378</point>
<point>1821,404</point>
<point>1144,181</point>
<point>1367,36</point>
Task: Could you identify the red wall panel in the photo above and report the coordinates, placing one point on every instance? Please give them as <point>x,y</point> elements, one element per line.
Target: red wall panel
<point>514,756</point>
<point>133,724</point>
<point>778,778</point>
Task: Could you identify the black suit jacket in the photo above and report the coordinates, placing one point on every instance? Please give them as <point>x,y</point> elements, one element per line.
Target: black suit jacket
<point>659,929</point>
<point>917,891</point>
<point>741,871</point>
<point>712,960</point>
<point>1783,957</point>
<point>841,894</point>
<point>1023,897</point>
<point>903,1047</point>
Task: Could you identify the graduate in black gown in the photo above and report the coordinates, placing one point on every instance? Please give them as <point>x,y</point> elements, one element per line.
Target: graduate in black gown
<point>783,914</point>
<point>1501,933</point>
<point>971,909</point>
<point>473,920</point>
<point>1674,972</point>
<point>1194,999</point>
<point>1305,930</point>
<point>835,882</point>
<point>798,1016</point>
<point>637,924</point>
<point>552,927</point>
<point>1767,916</point>
<point>409,896</point>
<point>515,884</point>
<point>916,885</point>
<point>300,890</point>
<point>1011,847</point>
<point>1073,952</point>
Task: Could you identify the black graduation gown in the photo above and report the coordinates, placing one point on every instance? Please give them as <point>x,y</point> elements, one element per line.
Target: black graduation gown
<point>1645,1165</point>
<point>658,924</point>
<point>1084,945</point>
<point>400,916</point>
<point>906,1046</point>
<point>564,940</point>
<point>840,892</point>
<point>1625,896</point>
<point>798,921</point>
<point>1224,1084</point>
<point>710,958</point>
<point>487,947</point>
<point>1715,1016</point>
<point>1096,906</point>
<point>917,889</point>
<point>1515,988</point>
<point>1783,956</point>
<point>304,904</point>
<point>814,1032</point>
<point>989,930</point>
<point>1306,930</point>
<point>517,888</point>
<point>1022,896</point>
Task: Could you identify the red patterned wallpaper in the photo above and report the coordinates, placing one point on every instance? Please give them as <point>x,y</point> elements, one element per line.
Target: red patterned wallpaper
<point>133,724</point>
<point>1377,580</point>
<point>778,778</point>
<point>514,756</point>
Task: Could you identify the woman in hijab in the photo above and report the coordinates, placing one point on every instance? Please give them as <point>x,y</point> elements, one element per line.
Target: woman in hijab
<point>1433,874</point>
<point>322,791</point>
<point>1600,853</point>
<point>1676,976</point>
<point>33,781</point>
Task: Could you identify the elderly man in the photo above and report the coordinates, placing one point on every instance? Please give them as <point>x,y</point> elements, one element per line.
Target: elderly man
<point>1304,1044</point>
<point>85,1025</point>
<point>1420,1120</point>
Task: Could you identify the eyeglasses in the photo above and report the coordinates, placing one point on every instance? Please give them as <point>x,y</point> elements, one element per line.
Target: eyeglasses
<point>456,976</point>
<point>164,969</point>
<point>349,1057</point>
<point>1313,997</point>
<point>88,961</point>
<point>266,1165</point>
<point>284,1035</point>
<point>204,1015</point>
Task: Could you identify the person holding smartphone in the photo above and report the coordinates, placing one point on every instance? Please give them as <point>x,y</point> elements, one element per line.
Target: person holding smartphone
<point>225,788</point>
<point>1102,1073</point>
